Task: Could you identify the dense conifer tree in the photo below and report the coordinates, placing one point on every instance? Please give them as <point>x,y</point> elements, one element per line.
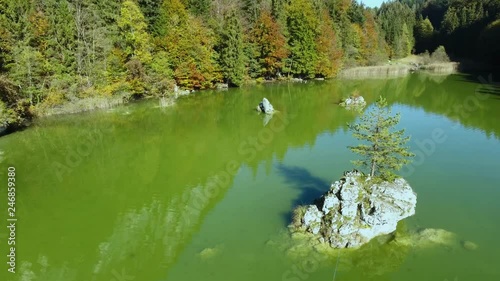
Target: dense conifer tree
<point>232,59</point>
<point>302,24</point>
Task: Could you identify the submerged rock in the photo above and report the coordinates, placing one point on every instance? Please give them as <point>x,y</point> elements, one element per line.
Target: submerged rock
<point>382,255</point>
<point>355,210</point>
<point>469,246</point>
<point>431,237</point>
<point>208,253</point>
<point>265,107</point>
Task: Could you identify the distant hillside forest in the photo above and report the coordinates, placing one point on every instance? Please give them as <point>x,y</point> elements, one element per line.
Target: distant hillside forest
<point>59,51</point>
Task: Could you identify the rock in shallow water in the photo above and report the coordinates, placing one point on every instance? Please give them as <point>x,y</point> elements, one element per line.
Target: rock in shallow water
<point>354,210</point>
<point>312,219</point>
<point>431,237</point>
<point>208,253</point>
<point>469,246</point>
<point>353,102</point>
<point>265,107</point>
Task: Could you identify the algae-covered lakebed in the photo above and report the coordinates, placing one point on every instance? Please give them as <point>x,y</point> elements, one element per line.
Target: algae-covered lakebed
<point>198,190</point>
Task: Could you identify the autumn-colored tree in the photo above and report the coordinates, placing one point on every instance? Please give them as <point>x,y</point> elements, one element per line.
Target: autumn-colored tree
<point>59,50</point>
<point>136,45</point>
<point>14,110</point>
<point>270,44</point>
<point>370,39</point>
<point>173,15</point>
<point>329,52</point>
<point>39,25</point>
<point>133,27</point>
<point>353,44</point>
<point>189,45</point>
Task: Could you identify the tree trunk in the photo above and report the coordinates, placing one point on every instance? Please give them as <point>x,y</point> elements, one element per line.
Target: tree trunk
<point>375,148</point>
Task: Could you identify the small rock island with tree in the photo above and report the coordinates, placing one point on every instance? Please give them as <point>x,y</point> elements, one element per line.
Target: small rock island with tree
<point>360,206</point>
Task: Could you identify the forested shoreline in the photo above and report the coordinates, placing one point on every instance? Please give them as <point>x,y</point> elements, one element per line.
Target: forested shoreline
<point>55,52</point>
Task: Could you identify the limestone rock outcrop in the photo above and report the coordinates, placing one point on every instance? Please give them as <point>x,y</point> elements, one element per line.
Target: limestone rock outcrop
<point>355,210</point>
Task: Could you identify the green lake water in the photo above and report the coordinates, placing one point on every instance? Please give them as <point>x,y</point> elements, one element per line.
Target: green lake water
<point>136,193</point>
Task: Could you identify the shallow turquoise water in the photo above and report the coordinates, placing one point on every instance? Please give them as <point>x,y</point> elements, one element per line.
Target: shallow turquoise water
<point>138,192</point>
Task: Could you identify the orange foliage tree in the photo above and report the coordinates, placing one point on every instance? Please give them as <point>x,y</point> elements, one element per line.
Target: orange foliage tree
<point>370,39</point>
<point>271,44</point>
<point>328,50</point>
<point>189,45</point>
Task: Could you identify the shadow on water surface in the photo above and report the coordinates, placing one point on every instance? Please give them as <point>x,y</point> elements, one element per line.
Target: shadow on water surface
<point>490,82</point>
<point>310,186</point>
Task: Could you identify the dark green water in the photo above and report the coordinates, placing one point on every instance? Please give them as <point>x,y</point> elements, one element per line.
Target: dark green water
<point>137,192</point>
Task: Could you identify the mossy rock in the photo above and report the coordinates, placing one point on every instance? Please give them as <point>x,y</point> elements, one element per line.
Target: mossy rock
<point>209,253</point>
<point>301,236</point>
<point>434,237</point>
<point>469,246</point>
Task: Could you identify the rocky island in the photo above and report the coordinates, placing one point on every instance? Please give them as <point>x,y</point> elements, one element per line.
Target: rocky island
<point>355,210</point>
<point>359,207</point>
<point>353,101</point>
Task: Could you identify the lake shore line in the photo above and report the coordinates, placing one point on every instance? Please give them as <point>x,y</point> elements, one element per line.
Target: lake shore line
<point>399,68</point>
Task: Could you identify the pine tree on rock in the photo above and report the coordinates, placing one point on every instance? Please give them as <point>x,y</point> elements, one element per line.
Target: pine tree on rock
<point>383,151</point>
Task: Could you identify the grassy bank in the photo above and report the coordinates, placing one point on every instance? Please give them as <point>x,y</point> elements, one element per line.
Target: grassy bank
<point>81,105</point>
<point>442,68</point>
<point>381,71</point>
<point>402,67</point>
